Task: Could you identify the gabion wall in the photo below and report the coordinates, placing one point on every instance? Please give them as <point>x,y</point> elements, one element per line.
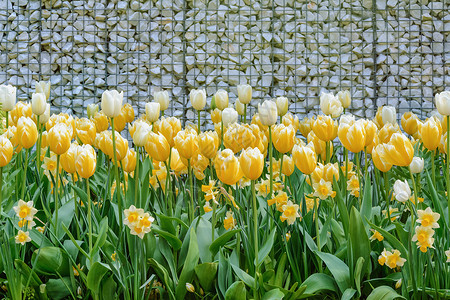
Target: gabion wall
<point>393,52</point>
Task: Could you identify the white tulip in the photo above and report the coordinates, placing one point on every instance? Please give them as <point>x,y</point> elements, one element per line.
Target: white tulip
<point>416,165</point>
<point>240,108</point>
<point>92,109</point>
<point>7,97</point>
<point>198,99</point>
<point>244,93</point>
<point>437,115</point>
<point>402,192</point>
<point>46,115</point>
<point>345,98</point>
<point>140,135</point>
<point>112,103</point>
<point>282,105</point>
<point>43,87</point>
<point>38,103</point>
<point>221,99</point>
<point>347,119</point>
<point>442,101</point>
<point>152,110</point>
<point>229,116</point>
<point>268,113</point>
<point>389,115</point>
<point>162,97</point>
<point>330,105</point>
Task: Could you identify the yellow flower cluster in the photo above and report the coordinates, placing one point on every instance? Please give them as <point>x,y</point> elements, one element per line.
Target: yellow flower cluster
<point>424,233</point>
<point>25,212</point>
<point>138,221</point>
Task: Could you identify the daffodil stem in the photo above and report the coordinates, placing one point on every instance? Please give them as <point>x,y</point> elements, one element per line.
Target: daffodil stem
<point>447,169</point>
<point>116,172</point>
<point>433,172</point>
<point>136,177</point>
<point>270,163</point>
<point>198,115</point>
<point>56,191</point>
<point>191,187</point>
<point>365,162</point>
<point>89,217</point>
<point>255,237</point>
<point>346,174</point>
<point>281,167</point>
<point>245,113</point>
<point>24,180</point>
<point>414,187</point>
<point>75,202</point>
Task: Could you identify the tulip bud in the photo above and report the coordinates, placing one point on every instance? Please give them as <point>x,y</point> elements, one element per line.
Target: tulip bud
<point>152,110</point>
<point>268,113</point>
<point>198,99</point>
<point>221,99</point>
<point>112,103</point>
<point>388,115</point>
<point>305,126</point>
<point>86,161</point>
<point>92,109</point>
<point>68,158</point>
<point>208,143</point>
<point>129,162</point>
<point>46,115</point>
<point>140,134</point>
<point>442,101</point>
<point>416,165</point>
<point>347,119</point>
<point>410,123</point>
<point>38,103</point>
<point>325,128</point>
<point>288,166</point>
<point>128,112</point>
<point>352,137</point>
<point>7,97</point>
<point>227,167</point>
<point>59,138</point>
<point>244,93</point>
<point>85,130</point>
<point>378,159</point>
<point>345,98</point>
<point>43,87</point>
<point>399,151</point>
<point>402,192</point>
<point>216,116</point>
<point>162,97</point>
<point>27,132</point>
<point>330,105</point>
<point>190,288</point>
<point>157,146</point>
<point>305,158</point>
<point>169,127</point>
<point>240,108</point>
<point>398,283</point>
<point>229,116</point>
<point>430,133</point>
<point>283,138</point>
<point>6,151</point>
<point>282,105</point>
<point>101,121</point>
<point>186,143</point>
<point>252,163</point>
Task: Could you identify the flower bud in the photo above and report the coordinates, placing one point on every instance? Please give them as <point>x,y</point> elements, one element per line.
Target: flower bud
<point>227,167</point>
<point>162,97</point>
<point>229,116</point>
<point>208,144</point>
<point>416,165</point>
<point>252,163</point>
<point>43,87</point>
<point>244,93</point>
<point>352,137</point>
<point>305,158</point>
<point>92,109</point>
<point>128,112</point>
<point>378,158</point>
<point>430,133</point>
<point>325,128</point>
<point>216,116</point>
<point>402,191</point>
<point>6,151</point>
<point>410,123</point>
<point>345,98</point>
<point>442,101</point>
<point>190,288</point>
<point>330,105</point>
<point>399,151</point>
<point>27,132</point>
<point>101,121</point>
<point>68,158</point>
<point>186,143</point>
<point>283,138</point>
<point>157,146</point>
<point>168,127</point>
<point>46,115</point>
<point>152,111</point>
<point>129,162</point>
<point>85,130</point>
<point>86,161</point>
<point>288,166</point>
<point>59,138</point>
<point>268,113</point>
<point>240,108</point>
<point>282,105</point>
<point>198,99</point>
<point>221,99</point>
<point>388,115</point>
<point>7,97</point>
<point>38,103</point>
<point>112,103</point>
<point>140,133</point>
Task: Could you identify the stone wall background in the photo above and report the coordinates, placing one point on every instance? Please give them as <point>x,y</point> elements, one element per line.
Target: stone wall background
<point>394,52</point>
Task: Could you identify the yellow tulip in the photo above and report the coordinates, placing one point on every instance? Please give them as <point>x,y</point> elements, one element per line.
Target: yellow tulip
<point>371,130</point>
<point>386,132</point>
<point>288,165</point>
<point>430,133</point>
<point>330,172</point>
<point>378,120</point>
<point>68,158</point>
<point>319,145</point>
<point>227,167</point>
<point>86,130</point>
<point>101,121</point>
<point>252,163</point>
<point>169,127</point>
<point>120,121</point>
<point>129,162</point>
<point>6,151</point>
<point>176,163</point>
<point>283,138</point>
<point>238,137</point>
<point>200,162</point>
<point>59,138</point>
<point>21,109</point>
<point>290,119</point>
<point>62,118</point>
<point>128,112</point>
<point>106,145</point>
<point>86,161</point>
<point>27,132</point>
<point>399,151</point>
<point>208,144</point>
<point>305,158</point>
<point>216,116</point>
<point>305,126</point>
<point>410,123</point>
<point>352,136</point>
<point>11,134</point>
<point>325,128</point>
<point>186,142</point>
<point>157,146</point>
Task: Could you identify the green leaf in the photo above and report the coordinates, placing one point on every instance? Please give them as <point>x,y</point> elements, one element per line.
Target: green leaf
<point>101,236</point>
<point>366,205</point>
<point>348,294</point>
<point>390,238</point>
<point>319,282</point>
<point>65,216</point>
<point>189,265</point>
<point>384,293</point>
<point>274,294</point>
<point>341,206</point>
<point>25,270</point>
<point>338,269</point>
<point>204,239</point>
<point>280,270</point>
<point>165,223</point>
<point>164,276</point>
<point>236,291</point>
<point>265,249</point>
<point>94,278</point>
<point>50,261</point>
<point>206,273</point>
<point>108,288</point>
<point>222,240</point>
<point>247,279</point>
<point>435,197</point>
<point>358,270</point>
<point>170,238</point>
<point>359,240</point>
<point>58,288</point>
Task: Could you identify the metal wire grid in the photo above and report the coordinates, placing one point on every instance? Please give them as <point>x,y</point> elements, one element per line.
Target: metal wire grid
<point>282,48</point>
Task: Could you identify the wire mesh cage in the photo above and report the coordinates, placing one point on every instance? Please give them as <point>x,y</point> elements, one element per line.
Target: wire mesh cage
<point>385,52</point>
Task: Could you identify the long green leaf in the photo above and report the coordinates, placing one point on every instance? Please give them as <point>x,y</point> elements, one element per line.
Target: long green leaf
<point>338,269</point>
<point>189,266</point>
<point>222,240</point>
<point>266,248</point>
<point>170,238</point>
<point>318,282</point>
<point>95,276</point>
<point>384,293</point>
<point>359,240</point>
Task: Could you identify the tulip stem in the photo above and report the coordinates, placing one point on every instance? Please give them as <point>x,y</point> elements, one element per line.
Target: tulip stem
<point>38,148</point>
<point>327,152</point>
<point>281,167</point>
<point>136,177</point>
<point>388,199</point>
<point>433,172</point>
<point>198,115</point>
<point>24,181</point>
<point>255,237</point>
<point>270,162</point>
<point>346,174</point>
<point>245,113</point>
<point>358,165</point>
<point>167,187</point>
<point>56,191</point>
<point>191,186</point>
<point>316,223</point>
<point>414,186</point>
<point>116,171</point>
<point>447,169</point>
<point>89,218</point>
<point>221,134</point>
<point>7,119</point>
<point>1,190</point>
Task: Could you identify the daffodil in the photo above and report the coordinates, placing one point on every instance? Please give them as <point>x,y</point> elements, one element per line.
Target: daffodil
<point>353,186</point>
<point>428,218</point>
<point>25,210</point>
<point>229,222</point>
<point>22,237</point>
<point>322,189</point>
<point>280,200</point>
<point>447,253</point>
<point>290,212</point>
<point>376,236</point>
<point>424,237</point>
